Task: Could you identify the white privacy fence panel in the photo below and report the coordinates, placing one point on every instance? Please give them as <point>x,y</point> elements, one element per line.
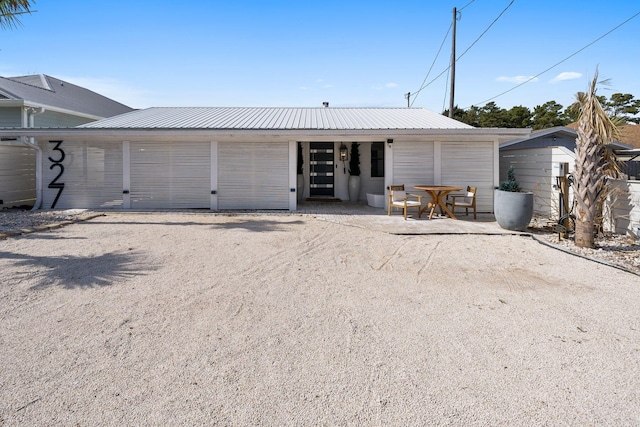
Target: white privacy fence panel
<point>82,174</point>
<point>622,210</point>
<point>17,175</point>
<point>170,175</point>
<point>470,164</point>
<point>253,175</point>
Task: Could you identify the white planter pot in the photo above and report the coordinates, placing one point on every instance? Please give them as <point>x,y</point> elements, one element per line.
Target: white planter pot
<point>354,188</point>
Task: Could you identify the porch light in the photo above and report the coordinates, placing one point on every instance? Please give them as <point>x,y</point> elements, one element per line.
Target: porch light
<point>343,152</point>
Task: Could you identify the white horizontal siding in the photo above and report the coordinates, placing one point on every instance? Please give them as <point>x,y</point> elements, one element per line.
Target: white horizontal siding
<point>534,170</point>
<point>470,164</point>
<point>412,163</point>
<point>170,175</point>
<point>92,175</point>
<point>17,175</point>
<point>55,119</point>
<point>10,117</point>
<point>253,175</point>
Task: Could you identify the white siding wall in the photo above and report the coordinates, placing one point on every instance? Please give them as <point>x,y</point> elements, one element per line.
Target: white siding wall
<point>412,163</point>
<point>92,175</point>
<point>10,117</point>
<point>55,119</point>
<point>470,164</point>
<point>170,175</point>
<point>17,175</point>
<point>535,171</point>
<point>253,175</point>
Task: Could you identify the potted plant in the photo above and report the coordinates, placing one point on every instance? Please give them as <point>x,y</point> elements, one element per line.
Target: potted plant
<point>300,176</point>
<point>354,172</point>
<point>512,207</point>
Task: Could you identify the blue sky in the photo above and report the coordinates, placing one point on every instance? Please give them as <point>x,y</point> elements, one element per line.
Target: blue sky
<point>349,53</point>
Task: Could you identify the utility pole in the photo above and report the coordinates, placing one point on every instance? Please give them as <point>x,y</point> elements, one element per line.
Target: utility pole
<point>453,64</point>
<point>408,96</point>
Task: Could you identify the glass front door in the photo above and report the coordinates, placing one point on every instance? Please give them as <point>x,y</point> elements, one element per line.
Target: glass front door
<point>321,169</point>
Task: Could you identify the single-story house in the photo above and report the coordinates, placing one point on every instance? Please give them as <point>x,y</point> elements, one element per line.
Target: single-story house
<point>40,101</point>
<point>538,159</point>
<point>246,158</point>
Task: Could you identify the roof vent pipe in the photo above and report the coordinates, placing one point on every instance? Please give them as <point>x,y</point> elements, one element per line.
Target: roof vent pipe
<point>325,104</point>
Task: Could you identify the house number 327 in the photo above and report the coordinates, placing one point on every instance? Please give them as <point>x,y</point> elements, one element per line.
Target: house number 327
<point>57,163</point>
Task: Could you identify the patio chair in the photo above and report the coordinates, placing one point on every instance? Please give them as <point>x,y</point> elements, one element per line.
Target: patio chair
<point>398,198</point>
<point>466,201</point>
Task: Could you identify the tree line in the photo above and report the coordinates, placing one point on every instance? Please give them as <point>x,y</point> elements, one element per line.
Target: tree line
<point>622,106</point>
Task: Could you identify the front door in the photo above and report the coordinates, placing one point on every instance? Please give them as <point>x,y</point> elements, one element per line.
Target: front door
<point>321,166</point>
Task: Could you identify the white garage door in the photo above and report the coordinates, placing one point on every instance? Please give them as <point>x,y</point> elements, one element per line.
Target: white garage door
<point>170,175</point>
<point>253,175</point>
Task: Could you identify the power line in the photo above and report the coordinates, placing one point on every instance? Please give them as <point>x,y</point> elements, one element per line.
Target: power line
<point>463,7</point>
<point>423,86</point>
<point>415,95</point>
<point>485,31</point>
<point>558,63</point>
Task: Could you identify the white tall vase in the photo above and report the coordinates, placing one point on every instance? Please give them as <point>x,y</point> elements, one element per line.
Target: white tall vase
<point>354,188</point>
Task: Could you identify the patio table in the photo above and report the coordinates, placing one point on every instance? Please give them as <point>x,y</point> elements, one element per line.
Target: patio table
<point>438,194</point>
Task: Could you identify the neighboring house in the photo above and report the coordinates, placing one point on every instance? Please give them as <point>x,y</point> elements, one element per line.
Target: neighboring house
<point>246,158</point>
<point>46,102</point>
<point>538,160</point>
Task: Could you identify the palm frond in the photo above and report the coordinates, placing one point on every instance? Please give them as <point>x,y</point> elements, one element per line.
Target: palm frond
<point>10,10</point>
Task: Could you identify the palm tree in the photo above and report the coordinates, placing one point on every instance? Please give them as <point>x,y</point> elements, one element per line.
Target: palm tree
<point>11,9</point>
<point>594,163</point>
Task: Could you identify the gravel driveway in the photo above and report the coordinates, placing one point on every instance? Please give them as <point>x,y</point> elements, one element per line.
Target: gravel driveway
<point>175,319</point>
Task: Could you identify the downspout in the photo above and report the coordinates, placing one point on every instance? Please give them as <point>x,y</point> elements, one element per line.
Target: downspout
<point>31,142</point>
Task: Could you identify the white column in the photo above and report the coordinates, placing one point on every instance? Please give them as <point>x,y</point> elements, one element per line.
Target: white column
<point>126,175</point>
<point>388,171</point>
<point>496,163</point>
<point>214,176</point>
<point>293,166</point>
<point>437,163</point>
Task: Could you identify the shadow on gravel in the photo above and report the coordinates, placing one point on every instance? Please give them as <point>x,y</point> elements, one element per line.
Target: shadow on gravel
<point>257,225</point>
<point>72,272</point>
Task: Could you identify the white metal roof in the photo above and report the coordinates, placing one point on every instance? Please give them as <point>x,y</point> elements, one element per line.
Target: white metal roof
<point>254,118</point>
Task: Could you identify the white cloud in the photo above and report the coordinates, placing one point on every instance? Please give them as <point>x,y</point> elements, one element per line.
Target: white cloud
<point>390,85</point>
<point>567,75</point>
<point>517,79</point>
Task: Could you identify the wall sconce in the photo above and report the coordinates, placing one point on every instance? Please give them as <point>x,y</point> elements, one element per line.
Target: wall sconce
<point>343,152</point>
<point>389,141</point>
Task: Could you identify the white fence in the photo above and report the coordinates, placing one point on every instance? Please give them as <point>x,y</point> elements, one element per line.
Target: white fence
<point>17,175</point>
<point>622,212</point>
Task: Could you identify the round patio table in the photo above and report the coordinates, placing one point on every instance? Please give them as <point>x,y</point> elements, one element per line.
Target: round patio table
<point>438,193</point>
